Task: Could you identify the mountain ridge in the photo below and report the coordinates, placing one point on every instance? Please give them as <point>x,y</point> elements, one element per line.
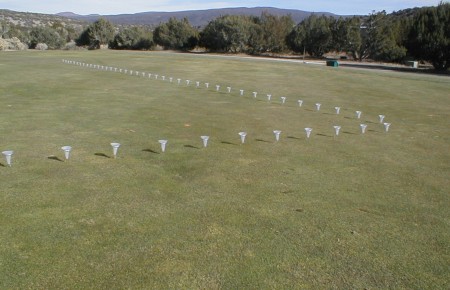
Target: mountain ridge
<point>197,18</point>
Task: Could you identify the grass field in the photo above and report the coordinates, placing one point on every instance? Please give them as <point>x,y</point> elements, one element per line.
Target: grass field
<point>349,212</point>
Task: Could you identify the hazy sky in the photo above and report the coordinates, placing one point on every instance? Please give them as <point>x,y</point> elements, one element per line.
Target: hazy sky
<point>342,7</point>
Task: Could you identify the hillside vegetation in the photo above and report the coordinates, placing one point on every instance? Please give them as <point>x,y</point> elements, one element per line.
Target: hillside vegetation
<point>420,34</point>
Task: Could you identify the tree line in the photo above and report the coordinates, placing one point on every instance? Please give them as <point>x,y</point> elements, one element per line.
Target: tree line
<point>419,33</point>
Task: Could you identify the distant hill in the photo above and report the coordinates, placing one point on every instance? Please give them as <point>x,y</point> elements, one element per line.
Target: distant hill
<point>27,19</point>
<point>198,18</point>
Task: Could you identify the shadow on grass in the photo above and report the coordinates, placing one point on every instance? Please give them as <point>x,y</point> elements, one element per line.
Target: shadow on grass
<point>375,131</point>
<point>191,146</point>
<point>261,140</point>
<point>323,135</point>
<point>150,150</point>
<point>293,137</point>
<point>327,114</point>
<point>309,110</point>
<point>228,143</point>
<point>102,155</point>
<point>2,165</point>
<point>56,158</point>
<point>370,122</point>
<point>347,132</point>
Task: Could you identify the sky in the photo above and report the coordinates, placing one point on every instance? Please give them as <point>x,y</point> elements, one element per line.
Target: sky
<point>110,7</point>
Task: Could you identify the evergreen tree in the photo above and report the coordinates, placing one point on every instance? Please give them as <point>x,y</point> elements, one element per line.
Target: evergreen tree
<point>175,34</point>
<point>429,38</point>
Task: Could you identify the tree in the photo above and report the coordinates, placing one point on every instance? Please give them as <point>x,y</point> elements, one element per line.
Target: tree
<point>46,35</point>
<point>133,38</point>
<point>229,33</point>
<point>97,35</point>
<point>275,30</point>
<point>175,34</point>
<point>313,35</point>
<point>429,38</point>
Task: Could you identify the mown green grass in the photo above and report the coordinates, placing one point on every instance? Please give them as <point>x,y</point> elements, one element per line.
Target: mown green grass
<point>358,211</point>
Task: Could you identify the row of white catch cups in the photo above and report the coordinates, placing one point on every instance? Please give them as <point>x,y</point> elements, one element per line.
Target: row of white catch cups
<point>115,146</point>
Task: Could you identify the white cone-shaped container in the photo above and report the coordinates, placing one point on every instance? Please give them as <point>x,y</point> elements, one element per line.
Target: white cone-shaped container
<point>178,81</point>
<point>277,135</point>
<point>229,89</point>
<point>358,114</point>
<point>188,82</point>
<point>137,73</point>
<point>170,79</point>
<point>386,127</point>
<point>300,102</point>
<point>336,130</point>
<point>363,128</point>
<point>163,145</point>
<point>381,117</point>
<point>8,154</point>
<point>126,71</point>
<point>67,150</point>
<point>143,74</point>
<point>207,85</point>
<point>205,140</point>
<point>254,94</point>
<point>217,87</point>
<point>338,110</point>
<point>115,147</point>
<point>241,92</point>
<point>269,97</point>
<point>242,134</point>
<point>318,106</point>
<point>197,84</point>
<point>131,72</point>
<point>283,100</point>
<point>163,78</point>
<point>149,75</point>
<point>156,77</point>
<point>308,132</point>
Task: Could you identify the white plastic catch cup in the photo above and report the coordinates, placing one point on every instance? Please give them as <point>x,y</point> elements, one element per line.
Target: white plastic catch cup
<point>241,92</point>
<point>242,134</point>
<point>386,127</point>
<point>115,147</point>
<point>163,145</point>
<point>363,128</point>
<point>381,117</point>
<point>197,84</point>
<point>283,100</point>
<point>207,85</point>
<point>66,150</point>
<point>188,82</point>
<point>358,114</point>
<point>308,132</point>
<point>229,89</point>
<point>254,94</point>
<point>300,102</point>
<point>277,134</point>
<point>217,87</point>
<point>8,154</point>
<point>205,140</point>
<point>178,81</point>
<point>318,106</point>
<point>338,110</point>
<point>336,130</point>
<point>269,97</point>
